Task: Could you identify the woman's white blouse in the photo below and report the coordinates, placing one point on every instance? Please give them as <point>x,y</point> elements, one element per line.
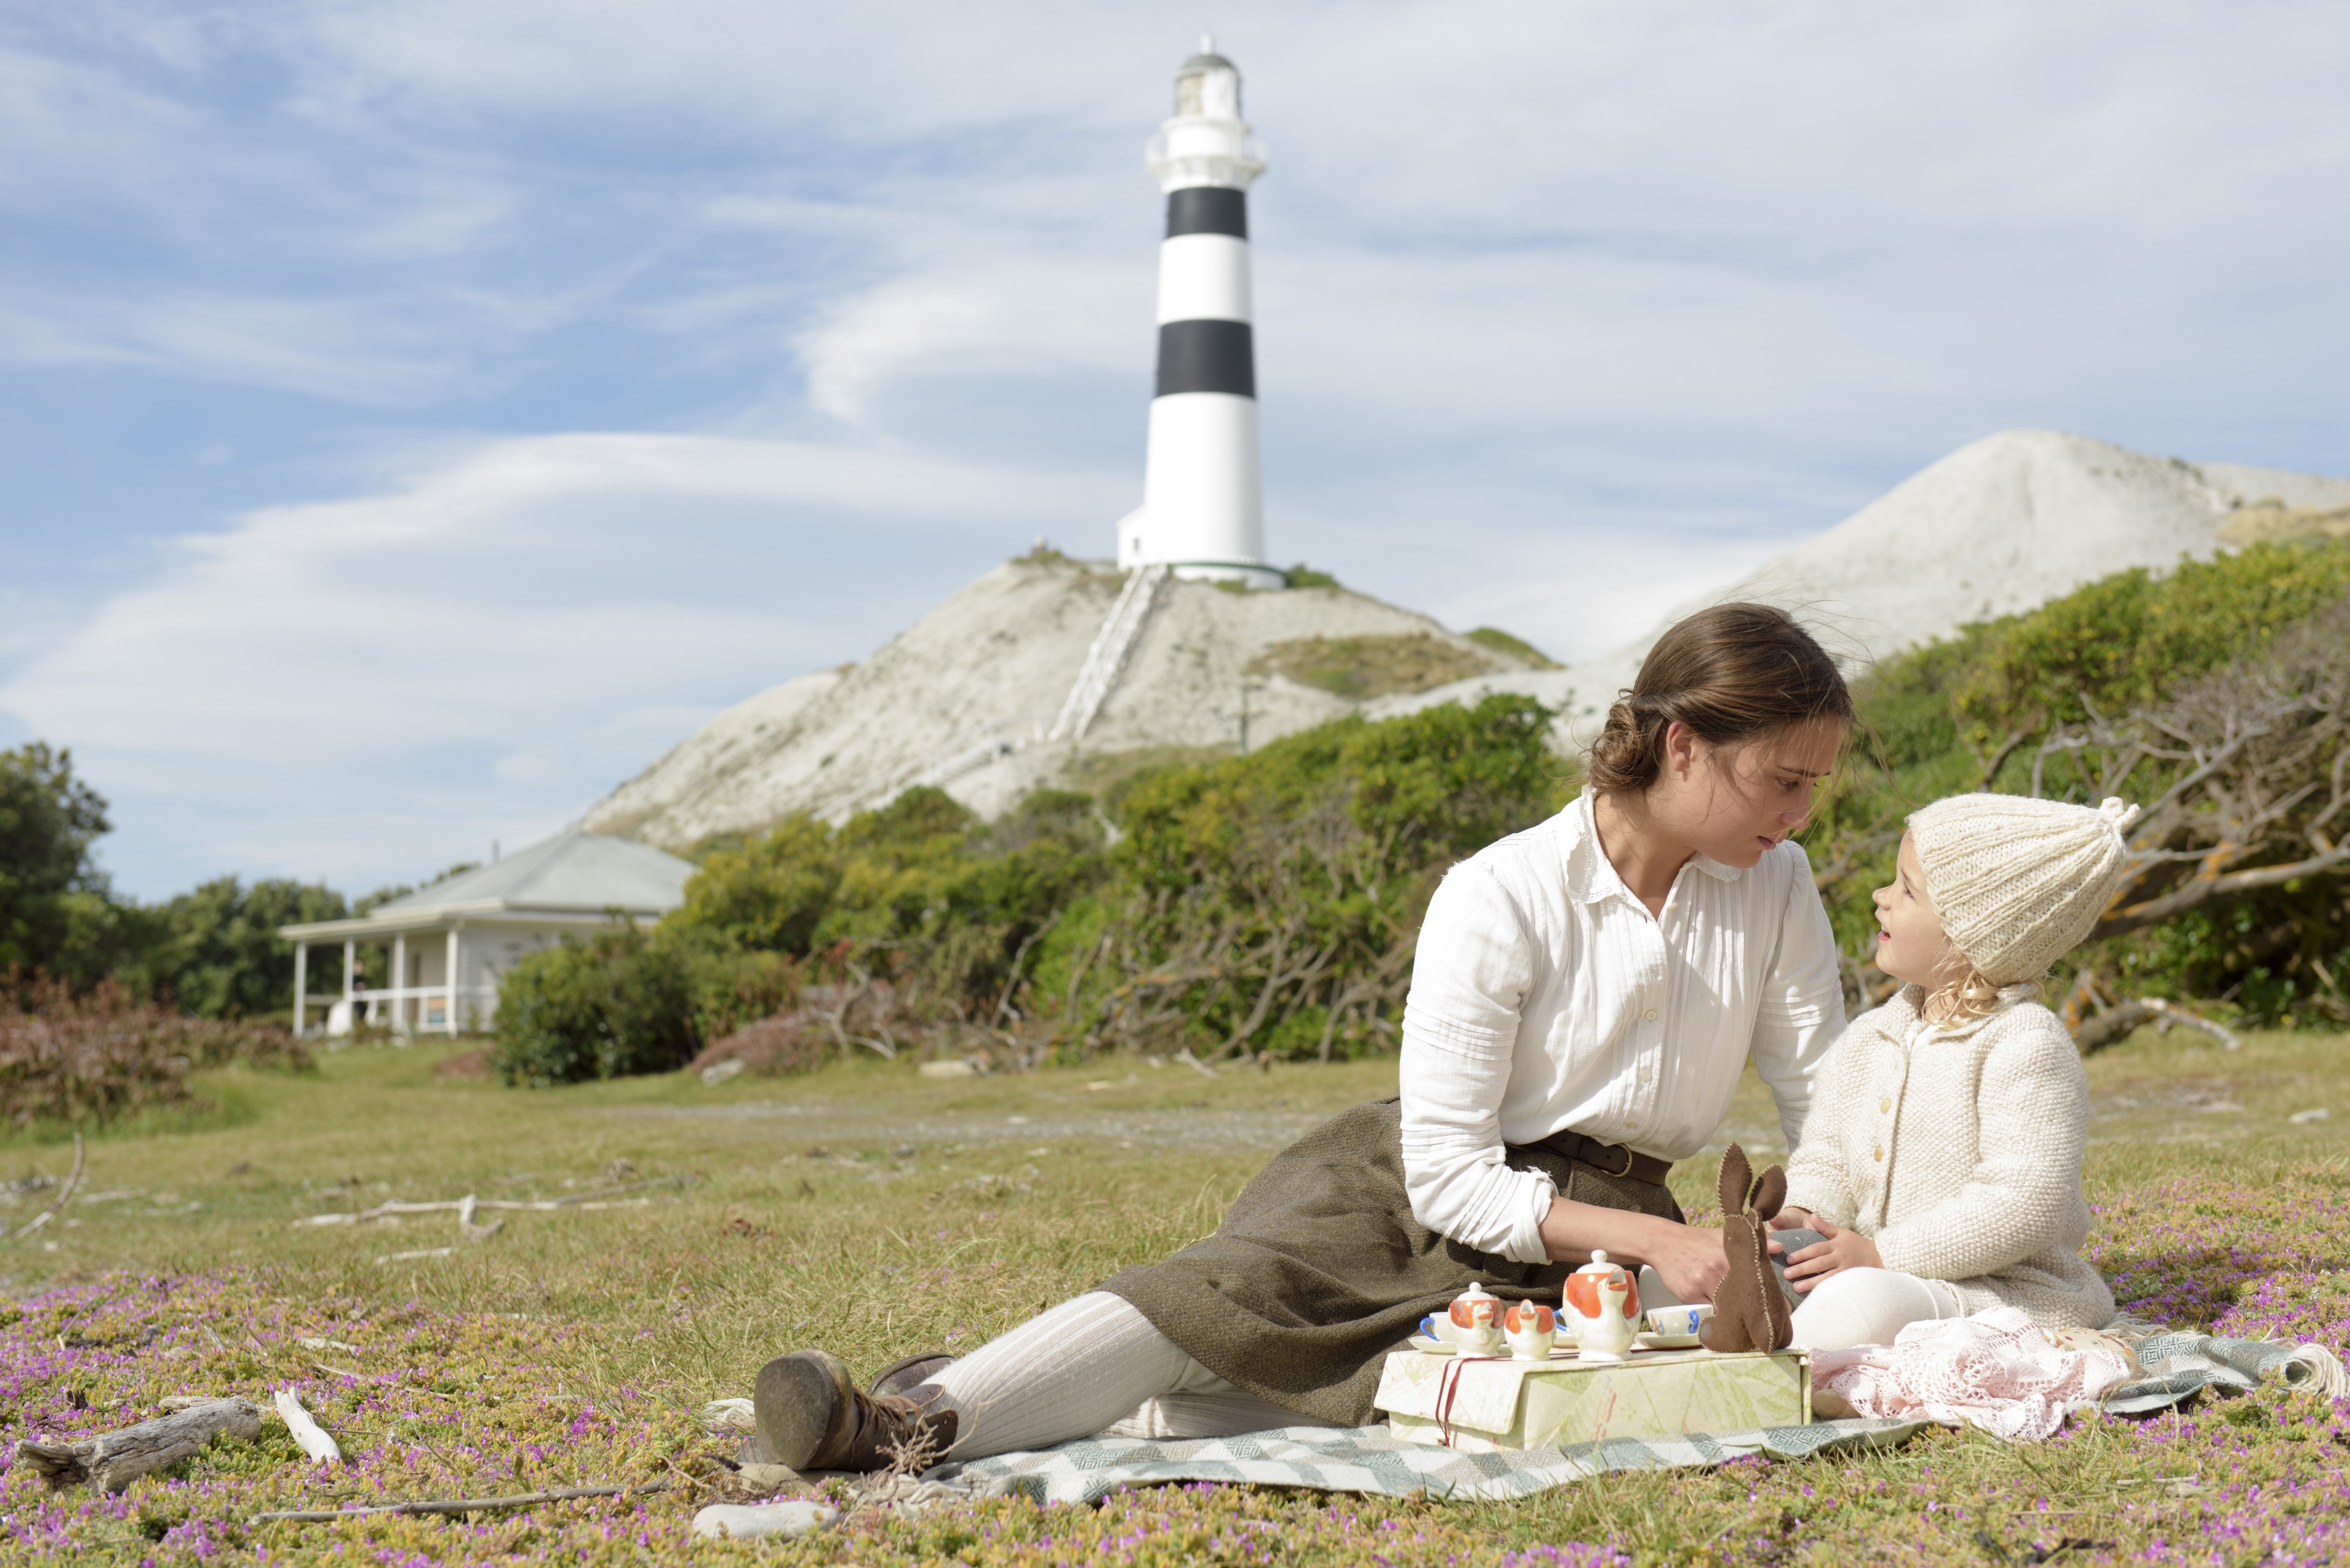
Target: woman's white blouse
<point>1545,997</point>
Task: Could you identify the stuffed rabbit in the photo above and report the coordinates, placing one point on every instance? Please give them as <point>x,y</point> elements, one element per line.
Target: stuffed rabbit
<point>1750,1309</point>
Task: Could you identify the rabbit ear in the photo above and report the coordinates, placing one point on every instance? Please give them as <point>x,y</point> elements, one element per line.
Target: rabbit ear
<point>1771,1192</point>
<point>1735,1175</point>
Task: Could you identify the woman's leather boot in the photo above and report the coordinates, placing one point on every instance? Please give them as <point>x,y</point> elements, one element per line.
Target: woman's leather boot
<point>813,1416</point>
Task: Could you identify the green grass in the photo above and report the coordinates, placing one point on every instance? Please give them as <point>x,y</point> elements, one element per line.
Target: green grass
<point>875,1213</point>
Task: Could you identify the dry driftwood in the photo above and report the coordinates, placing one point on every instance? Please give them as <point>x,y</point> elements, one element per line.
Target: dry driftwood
<point>466,1207</point>
<point>2244,775</point>
<point>2097,1019</point>
<point>112,1461</point>
<point>2117,1023</point>
<point>308,1435</point>
<point>469,1232</point>
<point>457,1505</point>
<point>65,1195</point>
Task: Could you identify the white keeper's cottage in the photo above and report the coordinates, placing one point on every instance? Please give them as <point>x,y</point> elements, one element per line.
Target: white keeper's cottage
<point>450,943</point>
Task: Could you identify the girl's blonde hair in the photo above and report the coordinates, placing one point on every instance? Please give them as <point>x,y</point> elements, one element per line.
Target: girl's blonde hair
<point>1966,997</point>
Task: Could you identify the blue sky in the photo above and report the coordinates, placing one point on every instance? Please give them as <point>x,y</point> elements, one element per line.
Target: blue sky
<point>417,415</point>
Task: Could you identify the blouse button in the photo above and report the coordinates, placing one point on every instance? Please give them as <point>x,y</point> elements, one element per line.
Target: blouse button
<point>1879,1153</point>
<point>1651,1015</point>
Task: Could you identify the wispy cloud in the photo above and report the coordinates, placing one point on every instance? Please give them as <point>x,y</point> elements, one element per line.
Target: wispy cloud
<point>518,631</point>
<point>1566,312</point>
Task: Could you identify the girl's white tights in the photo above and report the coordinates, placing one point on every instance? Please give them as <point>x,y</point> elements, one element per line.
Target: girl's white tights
<point>1870,1307</point>
<point>1092,1365</point>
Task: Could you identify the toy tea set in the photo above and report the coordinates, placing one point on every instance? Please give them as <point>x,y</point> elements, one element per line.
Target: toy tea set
<point>1487,1375</point>
<point>1599,1319</point>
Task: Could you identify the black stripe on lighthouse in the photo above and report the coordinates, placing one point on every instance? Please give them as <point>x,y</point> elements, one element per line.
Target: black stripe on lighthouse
<point>1206,356</point>
<point>1207,209</point>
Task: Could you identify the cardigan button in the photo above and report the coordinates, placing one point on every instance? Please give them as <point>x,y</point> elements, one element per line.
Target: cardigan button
<point>1886,1104</point>
<point>1880,1154</point>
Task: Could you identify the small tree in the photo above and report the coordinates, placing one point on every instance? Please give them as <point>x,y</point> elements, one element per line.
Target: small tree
<point>49,821</point>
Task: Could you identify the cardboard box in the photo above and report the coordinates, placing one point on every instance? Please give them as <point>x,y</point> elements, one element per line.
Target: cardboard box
<point>1485,1406</point>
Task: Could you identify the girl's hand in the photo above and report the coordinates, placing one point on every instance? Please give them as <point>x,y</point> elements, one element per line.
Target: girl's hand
<point>1842,1249</point>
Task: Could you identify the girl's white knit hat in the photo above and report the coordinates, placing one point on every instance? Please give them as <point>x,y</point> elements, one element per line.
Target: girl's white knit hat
<point>2018,882</point>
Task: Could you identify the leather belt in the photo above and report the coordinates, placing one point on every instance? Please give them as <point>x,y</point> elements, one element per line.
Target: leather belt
<point>1610,1158</point>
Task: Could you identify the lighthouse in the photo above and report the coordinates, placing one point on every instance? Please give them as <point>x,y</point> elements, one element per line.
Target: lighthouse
<point>1203,512</point>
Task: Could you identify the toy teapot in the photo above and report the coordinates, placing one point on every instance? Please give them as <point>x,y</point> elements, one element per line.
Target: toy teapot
<point>1602,1309</point>
<point>1476,1322</point>
<point>1531,1328</point>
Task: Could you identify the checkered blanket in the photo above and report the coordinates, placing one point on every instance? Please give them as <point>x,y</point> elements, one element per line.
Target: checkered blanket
<point>2177,1365</point>
<point>1367,1460</point>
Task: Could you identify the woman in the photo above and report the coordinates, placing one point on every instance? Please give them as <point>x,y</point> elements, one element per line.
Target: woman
<point>1585,995</point>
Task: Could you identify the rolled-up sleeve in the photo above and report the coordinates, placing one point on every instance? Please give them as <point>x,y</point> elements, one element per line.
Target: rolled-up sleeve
<point>1469,977</point>
<point>1801,1010</point>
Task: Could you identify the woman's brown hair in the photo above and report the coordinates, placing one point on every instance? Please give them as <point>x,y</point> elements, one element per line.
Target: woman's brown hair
<point>1735,674</point>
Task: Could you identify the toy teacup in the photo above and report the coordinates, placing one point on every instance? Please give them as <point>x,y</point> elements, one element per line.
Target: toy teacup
<point>1679,1322</point>
<point>1531,1328</point>
<point>1476,1322</point>
<point>1437,1325</point>
<point>1602,1309</point>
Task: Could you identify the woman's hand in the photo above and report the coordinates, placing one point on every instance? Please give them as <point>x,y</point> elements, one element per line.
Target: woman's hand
<point>1690,1259</point>
<point>1843,1250</point>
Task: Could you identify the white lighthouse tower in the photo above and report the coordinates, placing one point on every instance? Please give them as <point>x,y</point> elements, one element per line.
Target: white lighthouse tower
<point>1203,512</point>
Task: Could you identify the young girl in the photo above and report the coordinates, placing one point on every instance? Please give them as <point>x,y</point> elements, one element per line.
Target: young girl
<point>1941,1162</point>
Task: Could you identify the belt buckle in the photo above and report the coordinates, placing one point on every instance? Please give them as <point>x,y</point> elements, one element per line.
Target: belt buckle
<point>1623,1149</point>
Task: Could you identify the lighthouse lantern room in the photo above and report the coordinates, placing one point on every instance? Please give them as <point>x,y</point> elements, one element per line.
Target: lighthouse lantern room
<point>1203,512</point>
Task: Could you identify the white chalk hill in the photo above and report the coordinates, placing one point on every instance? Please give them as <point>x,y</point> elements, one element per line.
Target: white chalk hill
<point>971,697</point>
<point>1995,528</point>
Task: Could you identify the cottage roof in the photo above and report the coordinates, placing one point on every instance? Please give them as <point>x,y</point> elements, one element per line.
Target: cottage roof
<point>572,874</point>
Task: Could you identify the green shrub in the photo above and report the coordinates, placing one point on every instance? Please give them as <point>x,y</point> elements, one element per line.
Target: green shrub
<point>620,1002</point>
<point>731,987</point>
<point>1259,889</point>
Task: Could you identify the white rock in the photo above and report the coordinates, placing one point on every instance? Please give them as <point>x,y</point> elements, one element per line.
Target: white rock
<point>742,1520</point>
<point>955,1067</point>
<point>1997,527</point>
<point>2303,1118</point>
<point>730,1416</point>
<point>718,1073</point>
<point>962,698</point>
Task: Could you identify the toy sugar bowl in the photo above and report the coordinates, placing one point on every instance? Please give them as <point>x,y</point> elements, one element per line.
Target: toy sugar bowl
<point>1602,1309</point>
<point>1531,1328</point>
<point>1476,1322</point>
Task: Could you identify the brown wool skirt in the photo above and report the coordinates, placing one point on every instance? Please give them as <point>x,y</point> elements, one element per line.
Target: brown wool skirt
<point>1319,1269</point>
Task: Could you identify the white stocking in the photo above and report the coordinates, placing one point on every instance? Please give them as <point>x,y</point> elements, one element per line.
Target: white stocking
<point>1870,1307</point>
<point>1091,1365</point>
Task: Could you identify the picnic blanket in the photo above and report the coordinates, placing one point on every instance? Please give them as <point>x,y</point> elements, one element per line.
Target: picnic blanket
<point>1369,1460</point>
<point>2176,1368</point>
<point>2179,1365</point>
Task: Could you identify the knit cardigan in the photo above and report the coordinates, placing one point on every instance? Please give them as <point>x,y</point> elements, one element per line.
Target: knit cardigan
<point>1957,1150</point>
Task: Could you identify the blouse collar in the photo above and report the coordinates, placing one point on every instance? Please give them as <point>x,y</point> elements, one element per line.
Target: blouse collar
<point>1591,877</point>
